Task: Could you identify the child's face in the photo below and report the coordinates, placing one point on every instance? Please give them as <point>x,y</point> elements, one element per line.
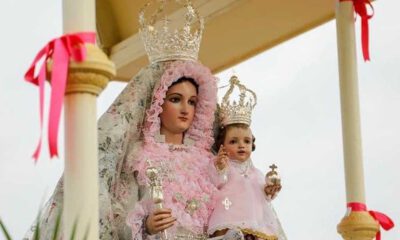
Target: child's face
<point>238,143</point>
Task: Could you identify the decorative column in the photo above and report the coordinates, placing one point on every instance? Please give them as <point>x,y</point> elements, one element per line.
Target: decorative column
<point>356,225</point>
<point>85,82</point>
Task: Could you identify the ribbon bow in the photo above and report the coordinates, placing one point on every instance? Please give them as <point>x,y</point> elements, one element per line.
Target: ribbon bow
<point>384,221</point>
<point>360,8</point>
<point>60,50</point>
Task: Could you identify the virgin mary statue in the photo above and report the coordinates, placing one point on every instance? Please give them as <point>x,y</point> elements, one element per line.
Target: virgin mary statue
<point>162,119</point>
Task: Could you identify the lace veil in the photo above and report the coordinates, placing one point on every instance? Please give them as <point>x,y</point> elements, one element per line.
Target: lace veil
<point>120,137</point>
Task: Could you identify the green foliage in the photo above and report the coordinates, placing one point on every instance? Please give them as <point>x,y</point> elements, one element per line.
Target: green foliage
<point>37,227</point>
<point>56,229</point>
<point>74,230</point>
<point>4,229</point>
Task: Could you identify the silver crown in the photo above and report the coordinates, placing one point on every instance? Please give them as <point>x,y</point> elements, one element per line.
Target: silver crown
<point>232,111</point>
<point>174,37</point>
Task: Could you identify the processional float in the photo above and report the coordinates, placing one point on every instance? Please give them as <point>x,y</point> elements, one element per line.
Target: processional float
<point>79,70</point>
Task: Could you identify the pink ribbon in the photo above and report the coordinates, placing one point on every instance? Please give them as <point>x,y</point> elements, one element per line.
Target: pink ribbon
<point>60,50</point>
<point>384,221</point>
<point>360,8</point>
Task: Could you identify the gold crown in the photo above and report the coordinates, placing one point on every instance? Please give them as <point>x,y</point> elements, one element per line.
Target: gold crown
<point>232,111</point>
<point>174,37</point>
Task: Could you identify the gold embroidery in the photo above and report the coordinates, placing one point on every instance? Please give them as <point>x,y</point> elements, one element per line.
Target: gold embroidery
<point>259,234</point>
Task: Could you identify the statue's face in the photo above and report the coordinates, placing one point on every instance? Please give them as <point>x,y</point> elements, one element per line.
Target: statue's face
<point>238,143</point>
<point>178,108</point>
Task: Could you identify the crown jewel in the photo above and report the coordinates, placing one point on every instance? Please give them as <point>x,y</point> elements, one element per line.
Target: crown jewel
<point>232,111</point>
<point>171,37</point>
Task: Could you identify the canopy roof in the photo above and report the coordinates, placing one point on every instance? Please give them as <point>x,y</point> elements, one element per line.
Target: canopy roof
<point>235,30</point>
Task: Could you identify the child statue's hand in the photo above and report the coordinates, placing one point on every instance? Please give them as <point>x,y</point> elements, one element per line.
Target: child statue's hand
<point>159,220</point>
<point>222,159</point>
<point>271,190</point>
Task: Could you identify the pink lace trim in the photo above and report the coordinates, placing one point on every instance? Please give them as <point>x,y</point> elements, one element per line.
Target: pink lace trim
<point>201,128</point>
<point>197,156</point>
<point>135,220</point>
<point>197,184</point>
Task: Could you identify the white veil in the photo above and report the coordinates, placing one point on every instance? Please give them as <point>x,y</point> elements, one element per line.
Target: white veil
<point>120,137</point>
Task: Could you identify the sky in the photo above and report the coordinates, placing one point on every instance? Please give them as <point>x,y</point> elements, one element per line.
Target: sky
<point>296,122</point>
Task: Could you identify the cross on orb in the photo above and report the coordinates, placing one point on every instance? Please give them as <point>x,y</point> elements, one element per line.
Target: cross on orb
<point>273,167</point>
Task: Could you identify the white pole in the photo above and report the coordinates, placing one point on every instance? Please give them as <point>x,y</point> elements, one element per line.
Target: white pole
<point>81,205</point>
<point>357,225</point>
<point>351,129</point>
<point>81,192</point>
<point>79,15</point>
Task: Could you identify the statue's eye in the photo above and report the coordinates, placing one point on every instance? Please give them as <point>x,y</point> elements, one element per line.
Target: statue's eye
<point>174,99</point>
<point>193,102</point>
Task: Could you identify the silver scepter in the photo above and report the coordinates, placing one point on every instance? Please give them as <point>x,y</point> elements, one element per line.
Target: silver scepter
<point>156,192</point>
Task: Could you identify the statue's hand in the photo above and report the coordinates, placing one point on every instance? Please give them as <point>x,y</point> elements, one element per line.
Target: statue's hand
<point>159,220</point>
<point>271,190</point>
<point>222,159</point>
